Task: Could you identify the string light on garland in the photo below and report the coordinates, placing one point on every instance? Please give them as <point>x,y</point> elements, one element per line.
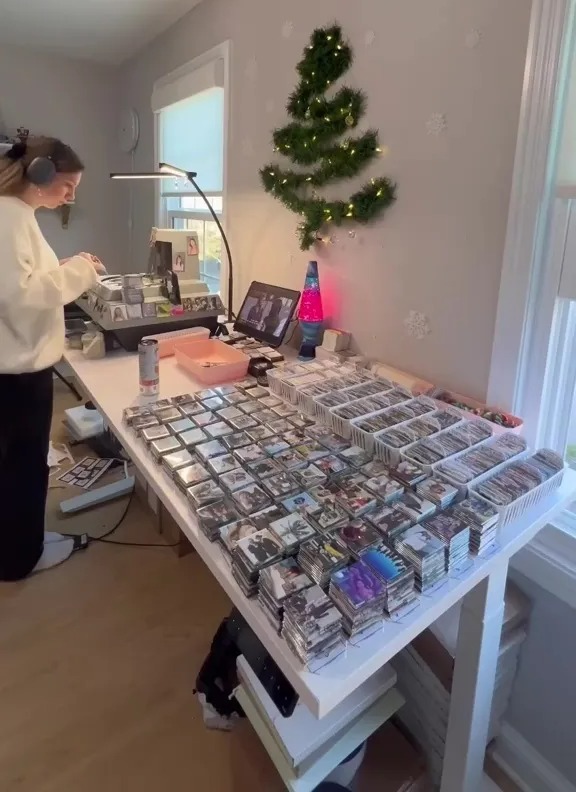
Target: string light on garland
<point>312,139</point>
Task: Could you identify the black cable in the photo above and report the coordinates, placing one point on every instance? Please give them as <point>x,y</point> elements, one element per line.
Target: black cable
<point>104,540</point>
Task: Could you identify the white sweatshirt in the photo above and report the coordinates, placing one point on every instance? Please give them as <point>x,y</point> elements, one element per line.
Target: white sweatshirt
<point>34,289</point>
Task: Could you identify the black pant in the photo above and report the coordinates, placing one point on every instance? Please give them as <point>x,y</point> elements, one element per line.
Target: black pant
<point>25,417</point>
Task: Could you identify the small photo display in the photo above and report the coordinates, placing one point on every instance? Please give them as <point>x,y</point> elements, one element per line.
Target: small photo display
<point>191,246</point>
<point>225,390</point>
<point>270,401</point>
<point>178,264</point>
<point>251,499</point>
<point>193,437</point>
<point>236,479</point>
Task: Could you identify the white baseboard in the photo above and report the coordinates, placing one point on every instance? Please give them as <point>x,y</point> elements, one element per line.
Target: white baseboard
<point>525,766</point>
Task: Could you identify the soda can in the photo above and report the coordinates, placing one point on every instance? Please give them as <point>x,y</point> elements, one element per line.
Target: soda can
<point>149,366</point>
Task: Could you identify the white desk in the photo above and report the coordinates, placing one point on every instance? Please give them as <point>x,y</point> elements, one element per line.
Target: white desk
<point>112,384</point>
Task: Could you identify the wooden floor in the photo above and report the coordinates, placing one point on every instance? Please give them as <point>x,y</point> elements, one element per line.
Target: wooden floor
<point>98,661</point>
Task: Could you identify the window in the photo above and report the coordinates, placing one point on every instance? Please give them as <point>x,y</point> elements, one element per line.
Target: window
<point>190,108</point>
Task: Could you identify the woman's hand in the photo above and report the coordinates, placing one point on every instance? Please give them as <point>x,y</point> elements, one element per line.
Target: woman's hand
<point>95,261</point>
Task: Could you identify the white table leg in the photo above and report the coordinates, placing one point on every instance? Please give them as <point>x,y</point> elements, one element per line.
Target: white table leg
<point>473,684</point>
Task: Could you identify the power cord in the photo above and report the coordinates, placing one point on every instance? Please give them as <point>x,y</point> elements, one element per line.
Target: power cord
<point>104,538</point>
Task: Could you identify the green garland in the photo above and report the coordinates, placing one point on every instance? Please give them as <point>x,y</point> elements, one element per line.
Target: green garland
<point>312,138</point>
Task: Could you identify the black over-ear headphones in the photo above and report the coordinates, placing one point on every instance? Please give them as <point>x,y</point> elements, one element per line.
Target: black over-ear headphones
<point>40,172</point>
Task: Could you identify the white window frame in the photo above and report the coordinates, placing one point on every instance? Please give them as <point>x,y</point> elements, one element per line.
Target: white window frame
<point>526,368</point>
<point>163,216</point>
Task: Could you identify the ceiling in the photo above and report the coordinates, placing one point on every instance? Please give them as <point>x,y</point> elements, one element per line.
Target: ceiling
<point>105,31</point>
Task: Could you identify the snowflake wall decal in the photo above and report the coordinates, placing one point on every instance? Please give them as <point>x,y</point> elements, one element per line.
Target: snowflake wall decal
<point>369,38</point>
<point>473,38</point>
<point>436,124</point>
<point>417,325</point>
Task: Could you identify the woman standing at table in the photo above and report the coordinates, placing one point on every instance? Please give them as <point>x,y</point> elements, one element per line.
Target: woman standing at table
<point>34,287</point>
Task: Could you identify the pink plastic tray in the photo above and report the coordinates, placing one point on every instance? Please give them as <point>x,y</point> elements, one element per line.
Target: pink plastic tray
<point>227,363</point>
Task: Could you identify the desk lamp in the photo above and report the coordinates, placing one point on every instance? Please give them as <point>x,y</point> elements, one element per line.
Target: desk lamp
<point>310,313</point>
<point>166,171</point>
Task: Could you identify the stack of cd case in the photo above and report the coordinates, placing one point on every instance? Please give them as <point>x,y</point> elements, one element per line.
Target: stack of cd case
<point>322,556</point>
<point>425,553</point>
<point>359,596</point>
<point>359,537</point>
<point>396,576</point>
<point>216,515</point>
<point>482,518</point>
<point>454,532</point>
<point>291,531</point>
<point>312,627</point>
<point>191,475</point>
<point>276,584</point>
<point>251,555</point>
<point>166,445</point>
<point>176,460</point>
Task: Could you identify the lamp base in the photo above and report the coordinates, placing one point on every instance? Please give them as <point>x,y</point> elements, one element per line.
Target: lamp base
<point>310,337</point>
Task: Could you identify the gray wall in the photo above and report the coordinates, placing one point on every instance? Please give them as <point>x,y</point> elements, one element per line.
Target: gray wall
<point>77,102</point>
<point>439,250</point>
<point>544,698</point>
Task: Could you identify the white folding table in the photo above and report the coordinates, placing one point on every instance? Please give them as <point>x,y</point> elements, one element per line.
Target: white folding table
<point>112,384</point>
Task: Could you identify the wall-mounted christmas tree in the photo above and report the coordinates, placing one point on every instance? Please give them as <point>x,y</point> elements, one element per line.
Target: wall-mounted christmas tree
<point>314,138</point>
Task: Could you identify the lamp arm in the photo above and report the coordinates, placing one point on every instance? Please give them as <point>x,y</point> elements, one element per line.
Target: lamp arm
<point>226,245</point>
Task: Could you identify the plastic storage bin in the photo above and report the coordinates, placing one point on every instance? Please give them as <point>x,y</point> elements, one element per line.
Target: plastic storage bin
<point>212,361</point>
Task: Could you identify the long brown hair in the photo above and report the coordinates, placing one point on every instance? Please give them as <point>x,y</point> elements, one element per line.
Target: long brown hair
<point>14,163</point>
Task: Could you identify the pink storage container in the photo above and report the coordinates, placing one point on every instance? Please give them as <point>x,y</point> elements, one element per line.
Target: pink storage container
<point>167,341</point>
<point>211,361</point>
